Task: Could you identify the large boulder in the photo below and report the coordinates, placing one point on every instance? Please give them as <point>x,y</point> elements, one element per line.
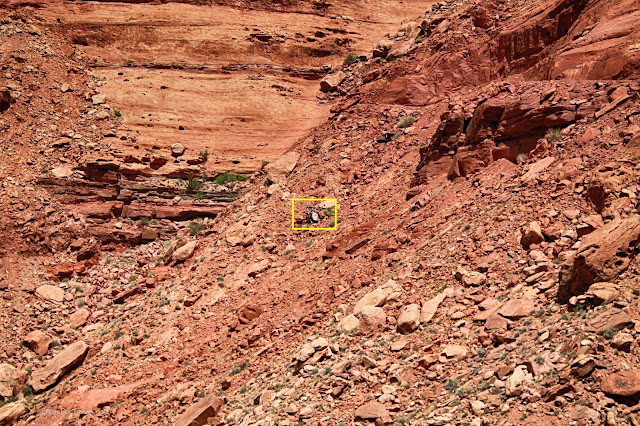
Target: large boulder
<point>603,255</point>
<point>63,363</point>
<point>282,167</point>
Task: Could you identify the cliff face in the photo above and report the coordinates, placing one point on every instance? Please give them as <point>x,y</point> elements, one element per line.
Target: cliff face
<point>483,269</point>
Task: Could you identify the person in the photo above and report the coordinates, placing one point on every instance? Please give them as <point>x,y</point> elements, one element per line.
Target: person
<point>312,215</point>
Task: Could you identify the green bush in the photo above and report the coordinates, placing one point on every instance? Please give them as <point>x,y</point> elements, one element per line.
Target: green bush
<point>195,227</point>
<point>227,177</point>
<point>351,59</point>
<point>194,184</point>
<point>406,122</point>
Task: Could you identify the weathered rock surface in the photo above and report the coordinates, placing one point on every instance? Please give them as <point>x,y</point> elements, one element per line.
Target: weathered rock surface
<point>332,81</point>
<point>198,413</point>
<point>603,255</point>
<point>38,342</point>
<point>282,167</point>
<point>62,364</point>
<point>623,383</point>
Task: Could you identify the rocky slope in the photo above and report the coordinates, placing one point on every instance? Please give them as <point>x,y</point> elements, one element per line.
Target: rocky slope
<point>483,269</point>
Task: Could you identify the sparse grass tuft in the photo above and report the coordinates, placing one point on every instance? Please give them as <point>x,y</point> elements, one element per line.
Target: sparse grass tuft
<point>554,135</point>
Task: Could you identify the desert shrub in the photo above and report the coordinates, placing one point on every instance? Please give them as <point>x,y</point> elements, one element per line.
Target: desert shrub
<point>195,227</point>
<point>554,135</point>
<point>351,59</point>
<point>406,122</point>
<point>194,184</point>
<point>228,177</point>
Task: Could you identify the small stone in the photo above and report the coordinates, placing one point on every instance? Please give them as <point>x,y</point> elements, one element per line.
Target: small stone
<point>177,149</point>
<point>99,99</point>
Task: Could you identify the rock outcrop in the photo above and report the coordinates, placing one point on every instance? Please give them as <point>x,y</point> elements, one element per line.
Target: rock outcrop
<point>603,255</point>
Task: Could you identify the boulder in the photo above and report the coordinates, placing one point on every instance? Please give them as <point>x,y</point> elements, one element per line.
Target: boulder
<point>258,268</point>
<point>38,342</point>
<point>430,307</point>
<point>623,383</point>
<point>372,411</point>
<point>99,99</point>
<point>603,255</point>
<point>349,323</point>
<point>372,318</point>
<point>532,235</point>
<point>332,81</point>
<point>50,293</point>
<point>409,318</point>
<point>199,413</point>
<point>379,296</point>
<point>10,413</point>
<point>381,48</point>
<point>516,308</point>
<point>282,167</point>
<point>454,352</point>
<point>8,376</point>
<point>184,252</point>
<point>611,319</point>
<point>79,317</point>
<point>518,379</point>
<point>537,168</point>
<point>63,363</point>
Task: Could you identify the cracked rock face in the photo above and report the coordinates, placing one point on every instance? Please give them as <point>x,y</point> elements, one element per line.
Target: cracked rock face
<point>603,255</point>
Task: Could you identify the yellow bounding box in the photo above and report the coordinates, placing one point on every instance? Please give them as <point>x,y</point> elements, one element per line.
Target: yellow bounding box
<point>318,200</point>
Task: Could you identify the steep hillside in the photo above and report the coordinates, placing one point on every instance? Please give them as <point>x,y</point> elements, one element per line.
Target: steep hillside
<point>484,158</point>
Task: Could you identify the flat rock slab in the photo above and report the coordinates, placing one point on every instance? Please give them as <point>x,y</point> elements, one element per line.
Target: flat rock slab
<point>198,413</point>
<point>610,319</point>
<point>623,383</point>
<point>371,411</point>
<point>63,363</point>
<point>50,293</point>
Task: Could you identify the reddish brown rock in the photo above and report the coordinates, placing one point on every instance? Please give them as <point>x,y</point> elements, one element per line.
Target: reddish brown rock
<point>79,317</point>
<point>38,342</point>
<point>62,364</point>
<point>199,413</point>
<point>603,256</point>
<point>372,411</point>
<point>623,383</point>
